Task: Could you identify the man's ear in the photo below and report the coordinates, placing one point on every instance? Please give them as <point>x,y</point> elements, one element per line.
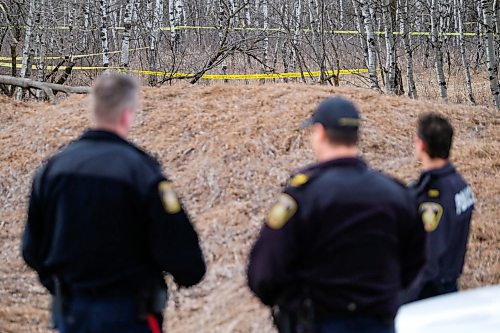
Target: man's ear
<point>127,118</point>
<point>420,144</point>
<point>320,132</point>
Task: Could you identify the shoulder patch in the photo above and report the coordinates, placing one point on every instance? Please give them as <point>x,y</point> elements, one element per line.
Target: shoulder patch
<point>284,209</point>
<point>431,213</point>
<point>433,193</point>
<point>168,197</point>
<point>299,180</point>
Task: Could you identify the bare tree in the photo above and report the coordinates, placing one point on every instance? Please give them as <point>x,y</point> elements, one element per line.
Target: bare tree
<point>404,20</point>
<point>487,7</point>
<point>465,60</point>
<point>104,32</point>
<point>437,44</point>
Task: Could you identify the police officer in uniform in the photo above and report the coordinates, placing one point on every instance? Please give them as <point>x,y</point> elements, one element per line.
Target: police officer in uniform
<point>446,203</point>
<point>341,241</point>
<point>104,225</point>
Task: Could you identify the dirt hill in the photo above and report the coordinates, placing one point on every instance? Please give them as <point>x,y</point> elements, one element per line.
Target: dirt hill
<point>229,150</point>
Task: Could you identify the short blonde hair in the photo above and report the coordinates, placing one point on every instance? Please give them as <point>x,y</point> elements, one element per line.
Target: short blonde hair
<point>112,95</point>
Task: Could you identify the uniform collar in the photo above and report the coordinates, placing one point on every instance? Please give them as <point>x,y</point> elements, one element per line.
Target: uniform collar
<point>102,135</point>
<point>427,176</point>
<point>338,162</point>
<point>444,170</point>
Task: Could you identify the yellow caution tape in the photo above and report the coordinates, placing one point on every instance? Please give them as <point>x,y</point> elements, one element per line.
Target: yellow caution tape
<point>210,76</point>
<point>335,32</point>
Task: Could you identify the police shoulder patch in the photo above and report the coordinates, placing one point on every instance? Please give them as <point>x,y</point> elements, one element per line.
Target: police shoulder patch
<point>284,209</point>
<point>299,180</point>
<point>431,213</point>
<point>168,197</point>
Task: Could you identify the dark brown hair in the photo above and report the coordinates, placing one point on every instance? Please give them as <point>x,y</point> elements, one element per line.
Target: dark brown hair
<point>437,134</point>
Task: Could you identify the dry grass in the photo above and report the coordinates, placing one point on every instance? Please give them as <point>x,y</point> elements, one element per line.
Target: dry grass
<point>229,149</point>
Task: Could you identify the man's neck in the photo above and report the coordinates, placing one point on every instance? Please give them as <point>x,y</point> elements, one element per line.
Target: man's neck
<point>115,129</point>
<point>338,152</point>
<point>433,163</point>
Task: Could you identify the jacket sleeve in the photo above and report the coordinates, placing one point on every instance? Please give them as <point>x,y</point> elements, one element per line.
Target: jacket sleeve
<point>36,237</point>
<point>432,217</point>
<point>412,242</point>
<point>270,270</point>
<point>173,241</point>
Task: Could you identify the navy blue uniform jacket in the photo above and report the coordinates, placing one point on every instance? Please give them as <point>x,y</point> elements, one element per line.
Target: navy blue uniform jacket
<point>98,220</point>
<point>352,244</point>
<point>446,203</point>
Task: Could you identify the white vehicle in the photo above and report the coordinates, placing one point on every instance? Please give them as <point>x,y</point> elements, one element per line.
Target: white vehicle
<point>470,311</point>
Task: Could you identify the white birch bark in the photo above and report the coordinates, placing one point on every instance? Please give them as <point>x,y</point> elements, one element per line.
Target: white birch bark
<point>27,39</point>
<point>390,66</point>
<point>127,22</point>
<point>341,12</point>
<point>86,22</point>
<point>103,5</point>
<point>360,28</point>
<point>297,31</point>
<point>487,7</point>
<point>25,61</point>
<point>370,41</point>
<point>465,61</point>
<point>404,20</point>
<point>436,40</point>
<point>265,15</point>
<point>154,40</point>
<point>179,13</point>
<point>172,22</point>
<point>112,17</point>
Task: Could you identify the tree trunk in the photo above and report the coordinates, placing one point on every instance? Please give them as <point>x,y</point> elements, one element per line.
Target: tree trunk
<point>265,46</point>
<point>40,43</point>
<point>370,41</point>
<point>360,28</point>
<point>127,20</point>
<point>154,40</point>
<point>404,19</point>
<point>487,8</point>
<point>437,44</point>
<point>390,66</point>
<point>27,47</point>
<point>465,61</point>
<point>104,32</point>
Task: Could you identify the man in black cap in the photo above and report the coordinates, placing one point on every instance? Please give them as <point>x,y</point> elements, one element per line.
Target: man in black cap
<point>446,203</point>
<point>341,241</point>
<point>104,226</point>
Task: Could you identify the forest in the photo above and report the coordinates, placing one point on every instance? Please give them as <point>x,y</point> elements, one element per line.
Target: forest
<point>441,49</point>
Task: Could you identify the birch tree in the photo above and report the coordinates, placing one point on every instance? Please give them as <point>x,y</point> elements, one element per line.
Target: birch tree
<point>27,47</point>
<point>487,8</point>
<point>265,15</point>
<point>405,30</point>
<point>103,6</point>
<point>154,40</point>
<point>437,43</point>
<point>390,66</point>
<point>127,20</point>
<point>366,8</point>
<point>465,61</point>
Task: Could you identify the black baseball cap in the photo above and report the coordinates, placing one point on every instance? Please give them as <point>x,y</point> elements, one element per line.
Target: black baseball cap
<point>335,113</point>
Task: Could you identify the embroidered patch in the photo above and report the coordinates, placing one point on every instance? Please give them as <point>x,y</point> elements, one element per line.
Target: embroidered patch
<point>433,193</point>
<point>431,215</point>
<point>284,209</point>
<point>299,180</point>
<point>169,198</point>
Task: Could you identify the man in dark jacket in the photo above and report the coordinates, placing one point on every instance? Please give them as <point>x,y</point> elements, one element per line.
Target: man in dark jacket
<point>446,203</point>
<point>341,241</point>
<point>104,226</point>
